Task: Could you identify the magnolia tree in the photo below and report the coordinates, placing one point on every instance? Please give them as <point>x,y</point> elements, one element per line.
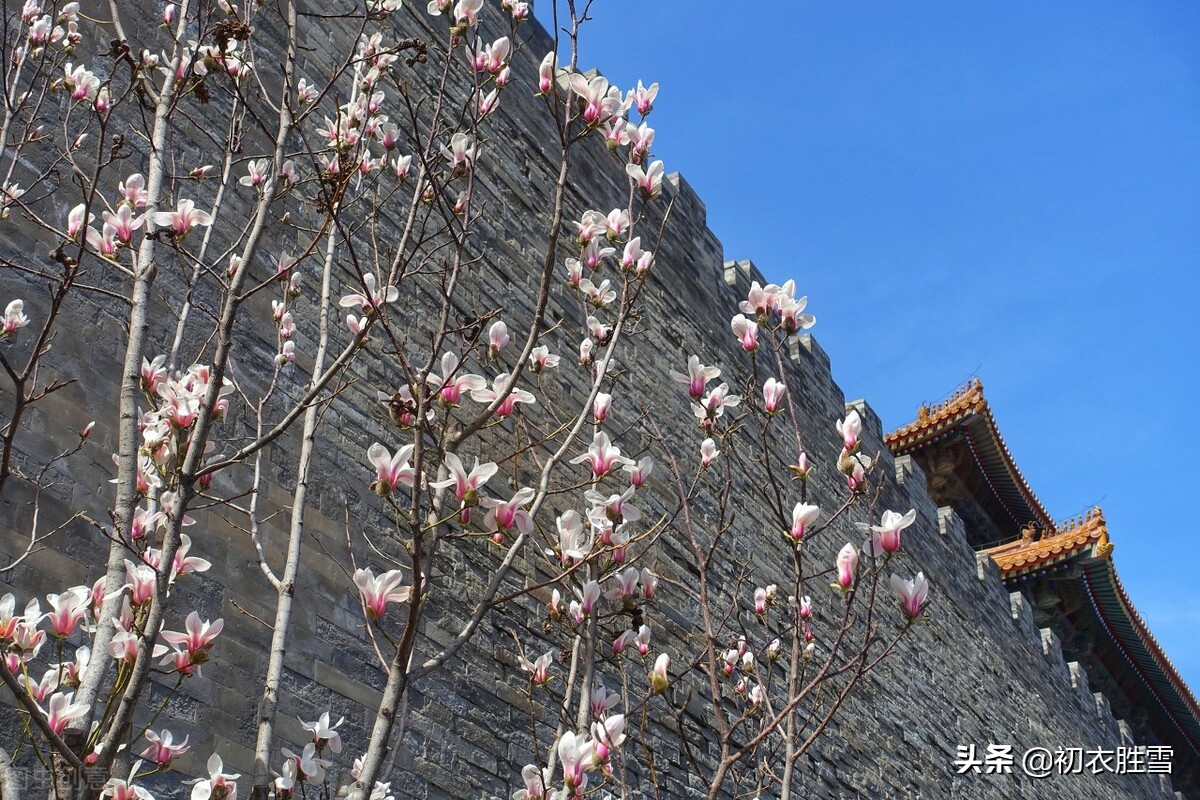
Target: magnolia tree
<point>270,227</point>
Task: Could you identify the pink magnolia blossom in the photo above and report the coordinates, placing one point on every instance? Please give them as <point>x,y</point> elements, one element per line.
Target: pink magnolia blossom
<point>219,785</point>
<point>643,97</point>
<point>117,789</point>
<point>67,610</point>
<point>746,330</point>
<point>805,610</point>
<point>378,592</point>
<point>708,452</point>
<point>885,537</point>
<point>659,676</point>
<point>639,472</point>
<point>649,583</point>
<point>373,299</point>
<point>575,755</point>
<point>197,638</point>
<point>325,735</point>
<point>497,338</point>
<point>390,471</point>
<point>773,392</point>
<point>14,318</point>
<point>642,639</point>
<point>451,383</point>
<point>460,153</point>
<point>588,595</point>
<point>162,749</point>
<point>601,406</point>
<point>185,217</point>
<point>62,710</point>
<point>77,220</point>
<point>256,173</point>
<point>847,563</point>
<point>850,428</point>
<point>913,594</point>
<point>500,390</point>
<point>624,640</point>
<point>574,542</point>
<point>593,96</point>
<point>537,783</point>
<point>648,181</point>
<point>540,359</point>
<point>123,222</point>
<point>133,189</point>
<point>466,484</point>
<point>539,669</point>
<point>602,456</point>
<point>503,515</point>
<point>803,515</point>
<point>607,736</point>
<point>792,318</point>
<point>760,600</point>
<point>697,377</point>
<point>546,72</point>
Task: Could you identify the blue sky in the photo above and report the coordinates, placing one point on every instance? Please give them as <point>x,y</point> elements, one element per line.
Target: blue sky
<point>1008,190</point>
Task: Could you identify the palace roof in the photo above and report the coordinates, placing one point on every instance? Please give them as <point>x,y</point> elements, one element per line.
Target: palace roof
<point>969,467</point>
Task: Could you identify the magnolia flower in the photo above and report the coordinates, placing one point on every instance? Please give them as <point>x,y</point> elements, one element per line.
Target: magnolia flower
<point>607,735</point>
<point>773,392</point>
<point>746,330</point>
<point>602,456</point>
<point>373,299</point>
<point>219,785</point>
<point>593,96</point>
<point>497,338</point>
<point>805,610</point>
<point>642,639</point>
<point>460,153</point>
<point>791,317</point>
<point>648,181</point>
<point>450,384</point>
<point>500,391</point>
<point>537,783</point>
<point>117,789</point>
<point>122,223</point>
<point>391,471</point>
<point>378,592</point>
<point>708,452</point>
<point>306,765</point>
<point>760,600</point>
<point>14,318</point>
<point>697,377</point>
<point>503,515</point>
<point>885,537</point>
<point>600,406</point>
<point>575,754</point>
<point>659,679</point>
<point>643,97</point>
<point>185,217</point>
<point>256,173</point>
<point>539,670</point>
<point>849,429</point>
<point>197,638</point>
<point>133,189</point>
<point>162,749</point>
<point>77,220</point>
<point>546,72</point>
<point>621,642</point>
<point>913,594</point>
<point>573,542</point>
<point>847,563</point>
<point>466,484</point>
<point>325,734</point>
<point>649,583</point>
<point>803,515</point>
<point>588,594</point>
<point>540,359</point>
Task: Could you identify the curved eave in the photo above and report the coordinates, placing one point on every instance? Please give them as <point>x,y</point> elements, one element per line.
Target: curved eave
<point>1083,536</point>
<point>968,411</point>
<point>1140,649</point>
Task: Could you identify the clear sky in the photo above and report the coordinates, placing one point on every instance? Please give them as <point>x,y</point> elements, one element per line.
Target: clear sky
<point>1008,190</point>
